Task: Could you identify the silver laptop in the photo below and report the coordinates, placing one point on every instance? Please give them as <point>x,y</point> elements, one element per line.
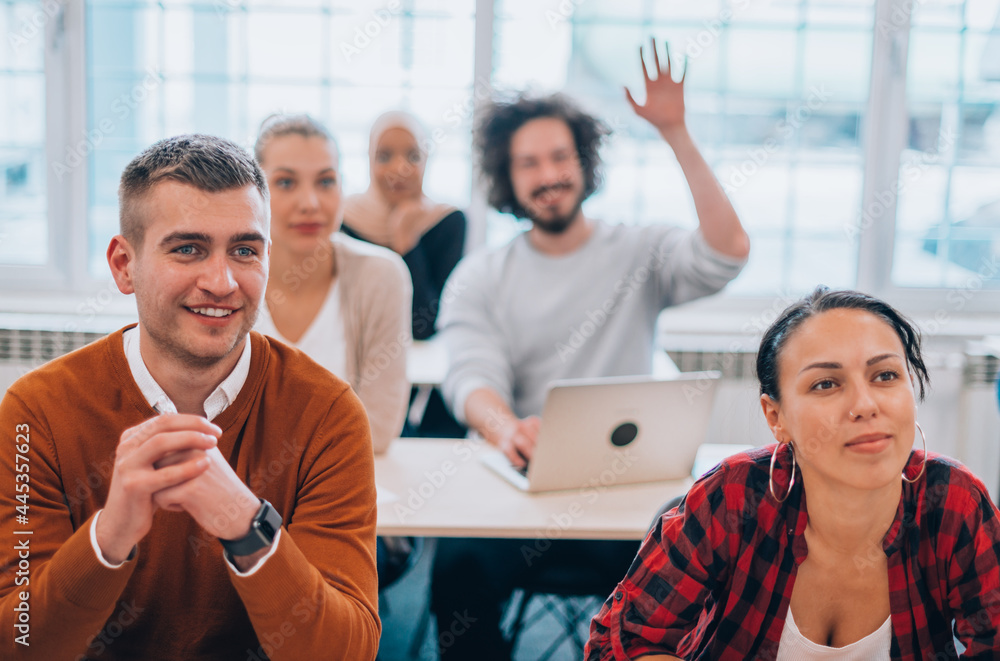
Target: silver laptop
<point>615,430</point>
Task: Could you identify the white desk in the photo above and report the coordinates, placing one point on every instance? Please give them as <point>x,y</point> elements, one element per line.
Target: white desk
<point>426,362</point>
<point>439,488</point>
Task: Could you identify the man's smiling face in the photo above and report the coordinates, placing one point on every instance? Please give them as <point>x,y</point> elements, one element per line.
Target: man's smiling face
<point>200,272</point>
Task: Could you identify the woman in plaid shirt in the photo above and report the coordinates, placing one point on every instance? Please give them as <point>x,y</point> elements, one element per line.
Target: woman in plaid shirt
<point>896,557</point>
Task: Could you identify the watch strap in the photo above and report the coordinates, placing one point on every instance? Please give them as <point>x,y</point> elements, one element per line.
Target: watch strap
<point>263,528</point>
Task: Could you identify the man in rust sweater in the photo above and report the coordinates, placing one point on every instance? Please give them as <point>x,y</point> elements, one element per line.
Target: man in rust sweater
<point>186,488</point>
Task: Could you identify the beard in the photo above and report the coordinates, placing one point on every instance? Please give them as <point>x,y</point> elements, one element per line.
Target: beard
<point>182,352</point>
<point>554,224</point>
<point>191,351</point>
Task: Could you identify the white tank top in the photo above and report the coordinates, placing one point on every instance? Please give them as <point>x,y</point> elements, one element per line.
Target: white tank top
<point>796,647</point>
<point>325,340</point>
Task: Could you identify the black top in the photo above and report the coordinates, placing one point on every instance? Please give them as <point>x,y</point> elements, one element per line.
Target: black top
<point>430,262</point>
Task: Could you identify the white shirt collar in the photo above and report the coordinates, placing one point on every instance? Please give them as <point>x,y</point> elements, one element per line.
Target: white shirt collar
<point>220,399</point>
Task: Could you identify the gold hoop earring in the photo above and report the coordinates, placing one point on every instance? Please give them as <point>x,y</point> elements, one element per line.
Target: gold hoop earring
<point>791,483</point>
<point>923,464</point>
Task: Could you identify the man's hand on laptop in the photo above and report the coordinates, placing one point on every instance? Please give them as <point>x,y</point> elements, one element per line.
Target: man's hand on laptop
<point>128,513</point>
<point>517,439</point>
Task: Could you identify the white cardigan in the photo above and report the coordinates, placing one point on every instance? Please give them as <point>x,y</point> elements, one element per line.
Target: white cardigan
<point>375,300</point>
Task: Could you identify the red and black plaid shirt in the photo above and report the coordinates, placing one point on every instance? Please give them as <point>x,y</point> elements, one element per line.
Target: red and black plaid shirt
<point>714,577</point>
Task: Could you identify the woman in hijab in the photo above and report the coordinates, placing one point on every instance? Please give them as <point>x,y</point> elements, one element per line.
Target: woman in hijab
<point>395,213</point>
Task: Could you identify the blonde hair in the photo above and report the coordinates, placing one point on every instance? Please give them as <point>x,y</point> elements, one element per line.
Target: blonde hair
<point>278,125</point>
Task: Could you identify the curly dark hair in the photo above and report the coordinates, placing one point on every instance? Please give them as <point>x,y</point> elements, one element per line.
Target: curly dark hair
<point>821,300</point>
<point>503,118</point>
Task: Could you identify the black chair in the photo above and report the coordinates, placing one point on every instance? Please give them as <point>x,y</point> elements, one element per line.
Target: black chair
<point>667,506</point>
<point>571,594</point>
<point>396,557</point>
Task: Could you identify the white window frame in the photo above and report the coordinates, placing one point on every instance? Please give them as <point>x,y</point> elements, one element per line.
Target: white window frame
<point>887,119</point>
<point>66,199</point>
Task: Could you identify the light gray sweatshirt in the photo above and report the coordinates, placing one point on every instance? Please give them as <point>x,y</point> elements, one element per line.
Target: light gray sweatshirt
<point>514,319</point>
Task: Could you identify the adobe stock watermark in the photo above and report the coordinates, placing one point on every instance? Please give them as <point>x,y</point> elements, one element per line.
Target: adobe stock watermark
<point>760,322</point>
<point>757,157</point>
<point>85,488</point>
<point>934,498</point>
<point>95,304</point>
<point>35,25</point>
<point>389,352</point>
<point>121,108</point>
<point>225,7</point>
<point>901,13</point>
<point>754,326</point>
<point>910,173</point>
<point>562,13</point>
<point>624,289</point>
<point>459,113</point>
<point>113,629</point>
<point>302,613</point>
<point>713,28</point>
<point>454,117</point>
<point>258,482</point>
<point>366,34</point>
<point>958,297</point>
<point>460,624</point>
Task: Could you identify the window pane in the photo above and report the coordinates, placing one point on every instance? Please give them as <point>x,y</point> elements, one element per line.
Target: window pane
<point>948,218</point>
<point>157,69</point>
<point>775,96</point>
<point>24,231</point>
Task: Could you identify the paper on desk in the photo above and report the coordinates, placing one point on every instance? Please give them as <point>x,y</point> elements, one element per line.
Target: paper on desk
<point>384,496</point>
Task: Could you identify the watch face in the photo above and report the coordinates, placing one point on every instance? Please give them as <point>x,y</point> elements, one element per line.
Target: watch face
<point>268,521</point>
<point>262,532</point>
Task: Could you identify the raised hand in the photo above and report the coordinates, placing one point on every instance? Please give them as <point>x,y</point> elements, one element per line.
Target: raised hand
<point>664,107</point>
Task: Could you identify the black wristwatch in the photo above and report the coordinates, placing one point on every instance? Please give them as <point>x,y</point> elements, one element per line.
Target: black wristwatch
<point>263,528</point>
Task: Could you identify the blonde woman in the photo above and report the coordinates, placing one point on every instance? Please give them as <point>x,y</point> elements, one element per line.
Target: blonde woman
<point>344,302</point>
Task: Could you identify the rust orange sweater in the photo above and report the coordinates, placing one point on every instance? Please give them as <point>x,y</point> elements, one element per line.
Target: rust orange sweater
<point>296,435</point>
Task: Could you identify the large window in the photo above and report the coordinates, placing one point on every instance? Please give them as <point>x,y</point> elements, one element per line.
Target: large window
<point>775,95</point>
<point>160,68</point>
<point>792,102</point>
<point>24,231</point>
<point>948,223</point>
